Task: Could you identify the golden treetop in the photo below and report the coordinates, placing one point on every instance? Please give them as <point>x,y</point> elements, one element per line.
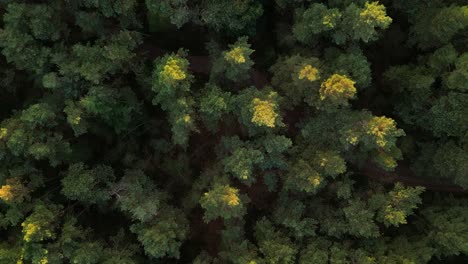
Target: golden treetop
<point>6,193</point>
<point>375,13</point>
<point>315,180</point>
<point>3,132</point>
<point>236,55</point>
<point>337,87</point>
<point>330,20</point>
<point>380,127</point>
<point>309,72</point>
<point>29,230</point>
<point>173,70</point>
<point>231,196</point>
<point>264,112</point>
<point>13,191</point>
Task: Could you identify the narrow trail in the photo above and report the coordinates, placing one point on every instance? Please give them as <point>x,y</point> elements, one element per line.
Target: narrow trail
<point>202,65</point>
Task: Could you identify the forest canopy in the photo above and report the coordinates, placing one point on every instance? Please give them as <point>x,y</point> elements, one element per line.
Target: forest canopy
<point>233,131</point>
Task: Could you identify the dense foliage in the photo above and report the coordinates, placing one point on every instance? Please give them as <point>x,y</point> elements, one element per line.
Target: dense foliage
<point>233,131</point>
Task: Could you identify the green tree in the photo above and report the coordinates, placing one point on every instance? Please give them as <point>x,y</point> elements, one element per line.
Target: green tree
<point>240,20</point>
<point>164,235</point>
<point>235,62</point>
<point>397,205</point>
<point>94,62</point>
<point>214,105</point>
<point>171,83</point>
<point>296,77</point>
<point>88,185</point>
<point>273,244</point>
<point>136,194</point>
<point>178,11</point>
<point>223,201</point>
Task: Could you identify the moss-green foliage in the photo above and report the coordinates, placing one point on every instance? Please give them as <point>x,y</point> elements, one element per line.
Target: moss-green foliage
<point>448,115</point>
<point>291,214</point>
<point>115,108</point>
<point>27,28</point>
<point>242,159</point>
<point>316,19</point>
<point>162,237</point>
<point>93,62</point>
<point>274,245</point>
<point>448,155</point>
<point>457,79</point>
<point>177,11</point>
<point>446,227</point>
<point>397,205</point>
<point>241,18</point>
<point>87,185</point>
<point>137,195</point>
<point>28,134</point>
<point>214,104</point>
<point>436,24</point>
<point>233,131</point>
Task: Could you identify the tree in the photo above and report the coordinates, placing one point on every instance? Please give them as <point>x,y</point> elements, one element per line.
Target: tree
<point>398,204</point>
<point>258,110</point>
<point>39,227</point>
<point>137,195</point>
<point>336,90</point>
<point>95,62</point>
<point>88,185</point>
<point>172,82</point>
<point>235,62</point>
<point>352,63</point>
<point>27,28</point>
<point>446,157</point>
<point>437,25</point>
<point>214,104</point>
<point>314,20</point>
<point>436,107</point>
<point>241,163</point>
<point>223,201</point>
<point>240,20</point>
<point>273,244</point>
<point>163,236</point>
<point>296,77</point>
<point>447,230</point>
<point>115,108</point>
<point>364,22</point>
<point>448,115</point>
<point>29,134</point>
<point>178,11</point>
